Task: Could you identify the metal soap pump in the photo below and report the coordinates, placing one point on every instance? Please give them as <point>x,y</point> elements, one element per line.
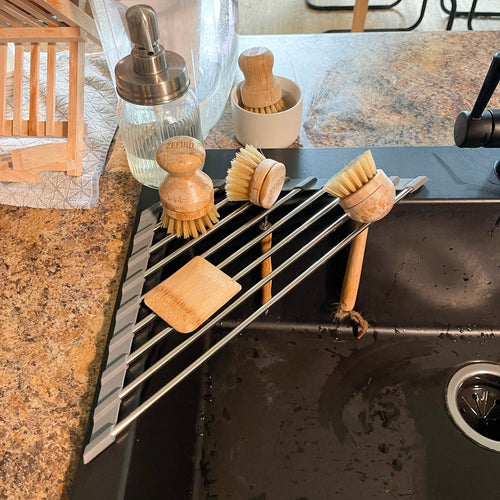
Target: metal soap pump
<point>157,102</point>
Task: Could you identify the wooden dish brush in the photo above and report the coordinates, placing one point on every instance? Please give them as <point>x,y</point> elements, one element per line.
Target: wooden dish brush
<point>260,91</point>
<point>366,194</point>
<point>254,177</point>
<point>186,193</point>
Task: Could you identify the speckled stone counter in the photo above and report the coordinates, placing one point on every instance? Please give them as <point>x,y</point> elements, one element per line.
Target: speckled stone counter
<point>61,270</point>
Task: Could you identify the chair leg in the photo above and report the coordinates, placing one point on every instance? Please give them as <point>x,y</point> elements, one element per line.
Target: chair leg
<point>464,13</point>
<point>452,15</point>
<point>471,15</point>
<point>409,28</point>
<point>359,16</point>
<point>318,5</point>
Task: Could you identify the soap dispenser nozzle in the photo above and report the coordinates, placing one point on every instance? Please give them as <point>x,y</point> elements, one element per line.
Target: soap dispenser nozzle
<point>150,75</point>
<point>148,56</point>
<point>143,27</point>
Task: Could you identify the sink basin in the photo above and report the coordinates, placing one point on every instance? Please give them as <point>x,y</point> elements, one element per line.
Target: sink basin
<point>300,409</point>
<point>296,407</point>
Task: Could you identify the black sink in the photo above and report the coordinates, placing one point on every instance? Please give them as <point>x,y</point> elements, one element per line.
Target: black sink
<point>296,407</point>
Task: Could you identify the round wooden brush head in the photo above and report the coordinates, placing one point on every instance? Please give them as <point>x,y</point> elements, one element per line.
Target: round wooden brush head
<point>260,91</point>
<point>186,193</point>
<point>266,183</point>
<point>372,201</point>
<point>254,177</point>
<point>366,194</point>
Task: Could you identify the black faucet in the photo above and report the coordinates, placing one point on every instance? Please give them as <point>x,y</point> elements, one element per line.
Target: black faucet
<point>481,127</point>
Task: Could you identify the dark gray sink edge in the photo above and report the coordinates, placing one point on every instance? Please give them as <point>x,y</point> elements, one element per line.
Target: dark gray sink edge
<point>454,173</point>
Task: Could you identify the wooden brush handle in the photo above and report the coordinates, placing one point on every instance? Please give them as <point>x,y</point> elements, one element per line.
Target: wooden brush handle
<point>186,193</point>
<point>352,274</point>
<point>260,88</point>
<point>266,267</point>
<point>181,155</point>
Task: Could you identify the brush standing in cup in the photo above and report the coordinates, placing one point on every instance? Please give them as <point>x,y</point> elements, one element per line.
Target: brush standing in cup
<point>266,110</point>
<point>366,194</point>
<point>261,90</point>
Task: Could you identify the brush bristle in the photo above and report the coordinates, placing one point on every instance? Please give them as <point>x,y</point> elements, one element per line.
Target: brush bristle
<point>352,177</point>
<point>190,228</point>
<point>267,110</point>
<point>241,172</point>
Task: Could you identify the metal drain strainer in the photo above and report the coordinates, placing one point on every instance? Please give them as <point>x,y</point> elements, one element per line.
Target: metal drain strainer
<point>473,400</point>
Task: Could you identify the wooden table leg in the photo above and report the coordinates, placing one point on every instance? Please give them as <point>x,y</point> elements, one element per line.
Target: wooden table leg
<point>359,15</point>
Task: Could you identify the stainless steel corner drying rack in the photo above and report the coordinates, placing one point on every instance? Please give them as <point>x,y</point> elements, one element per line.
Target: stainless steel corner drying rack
<point>151,254</point>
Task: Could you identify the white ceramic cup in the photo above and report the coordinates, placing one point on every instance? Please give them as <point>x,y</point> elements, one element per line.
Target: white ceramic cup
<point>274,130</point>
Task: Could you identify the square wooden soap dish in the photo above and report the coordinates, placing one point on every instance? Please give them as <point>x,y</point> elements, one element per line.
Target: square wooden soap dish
<point>191,295</point>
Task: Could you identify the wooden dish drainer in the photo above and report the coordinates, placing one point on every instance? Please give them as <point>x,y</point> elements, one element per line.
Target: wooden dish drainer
<point>43,25</point>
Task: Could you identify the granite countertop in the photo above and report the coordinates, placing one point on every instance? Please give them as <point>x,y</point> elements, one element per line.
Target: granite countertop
<point>61,269</point>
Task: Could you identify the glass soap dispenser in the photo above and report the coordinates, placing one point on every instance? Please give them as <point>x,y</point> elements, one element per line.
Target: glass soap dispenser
<point>156,101</point>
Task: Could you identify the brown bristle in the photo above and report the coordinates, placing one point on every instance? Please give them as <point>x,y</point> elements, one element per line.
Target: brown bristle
<point>241,171</point>
<point>190,228</point>
<point>267,110</point>
<point>352,177</point>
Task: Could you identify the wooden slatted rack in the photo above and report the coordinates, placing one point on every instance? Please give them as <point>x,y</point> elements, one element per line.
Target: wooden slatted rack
<point>43,25</point>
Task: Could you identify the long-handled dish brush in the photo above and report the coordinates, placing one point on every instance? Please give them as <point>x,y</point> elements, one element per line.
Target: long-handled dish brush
<point>260,91</point>
<point>254,177</point>
<point>186,193</point>
<point>366,194</point>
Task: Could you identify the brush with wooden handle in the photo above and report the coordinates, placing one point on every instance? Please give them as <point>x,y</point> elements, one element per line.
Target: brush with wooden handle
<point>186,193</point>
<point>366,194</point>
<point>254,177</point>
<point>260,91</point>
<point>352,275</point>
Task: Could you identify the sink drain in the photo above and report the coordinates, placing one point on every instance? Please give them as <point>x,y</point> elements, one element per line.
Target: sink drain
<point>473,400</point>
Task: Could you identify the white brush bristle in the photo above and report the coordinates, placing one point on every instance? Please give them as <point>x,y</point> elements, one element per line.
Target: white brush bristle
<point>352,177</point>
<point>241,172</point>
<point>190,228</point>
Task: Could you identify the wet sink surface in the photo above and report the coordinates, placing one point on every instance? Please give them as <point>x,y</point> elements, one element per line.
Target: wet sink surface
<point>354,419</point>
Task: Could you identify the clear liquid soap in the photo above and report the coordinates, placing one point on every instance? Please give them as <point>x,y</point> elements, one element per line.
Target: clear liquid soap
<point>156,99</point>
